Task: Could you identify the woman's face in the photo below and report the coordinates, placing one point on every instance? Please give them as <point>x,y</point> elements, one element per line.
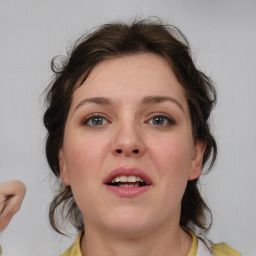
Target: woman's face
<point>128,149</point>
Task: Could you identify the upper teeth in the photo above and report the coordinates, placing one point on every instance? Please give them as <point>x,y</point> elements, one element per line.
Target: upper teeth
<point>127,179</point>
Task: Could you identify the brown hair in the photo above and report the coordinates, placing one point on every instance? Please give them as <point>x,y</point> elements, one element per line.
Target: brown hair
<point>117,39</point>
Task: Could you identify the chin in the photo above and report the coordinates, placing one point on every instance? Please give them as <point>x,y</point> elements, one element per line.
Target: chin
<point>129,222</point>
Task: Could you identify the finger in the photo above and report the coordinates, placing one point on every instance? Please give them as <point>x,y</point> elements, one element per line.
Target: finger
<point>4,223</point>
<point>13,187</point>
<point>2,202</point>
<point>2,206</point>
<point>12,205</point>
<point>5,216</point>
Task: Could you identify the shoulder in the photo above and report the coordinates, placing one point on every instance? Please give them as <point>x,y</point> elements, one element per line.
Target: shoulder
<point>202,247</point>
<point>222,249</point>
<point>74,249</point>
<point>219,249</point>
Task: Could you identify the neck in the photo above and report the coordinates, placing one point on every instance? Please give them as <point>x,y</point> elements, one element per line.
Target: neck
<point>168,242</point>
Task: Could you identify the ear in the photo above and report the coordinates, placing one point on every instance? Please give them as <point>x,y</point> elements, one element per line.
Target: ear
<point>63,168</point>
<point>197,160</point>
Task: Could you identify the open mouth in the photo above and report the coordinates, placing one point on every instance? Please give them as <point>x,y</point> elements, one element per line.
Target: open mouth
<point>127,181</point>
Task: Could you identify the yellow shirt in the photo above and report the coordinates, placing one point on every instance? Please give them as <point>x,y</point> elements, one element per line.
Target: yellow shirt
<point>220,249</point>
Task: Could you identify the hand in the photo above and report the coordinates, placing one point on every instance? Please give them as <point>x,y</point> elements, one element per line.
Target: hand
<point>11,196</point>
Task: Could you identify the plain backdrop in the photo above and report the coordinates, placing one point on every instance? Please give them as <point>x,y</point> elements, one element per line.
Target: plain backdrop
<point>223,40</point>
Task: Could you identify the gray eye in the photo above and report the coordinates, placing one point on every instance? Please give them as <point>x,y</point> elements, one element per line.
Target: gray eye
<point>97,121</point>
<point>159,120</point>
<point>94,121</point>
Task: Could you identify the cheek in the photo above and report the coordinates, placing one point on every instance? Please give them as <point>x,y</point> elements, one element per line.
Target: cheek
<point>84,158</point>
<point>171,158</point>
<point>172,155</point>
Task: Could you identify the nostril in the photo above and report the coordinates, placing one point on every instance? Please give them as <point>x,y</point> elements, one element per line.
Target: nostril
<point>136,151</point>
<point>119,151</point>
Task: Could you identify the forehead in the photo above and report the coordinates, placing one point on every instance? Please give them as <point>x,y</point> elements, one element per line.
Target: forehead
<point>130,77</point>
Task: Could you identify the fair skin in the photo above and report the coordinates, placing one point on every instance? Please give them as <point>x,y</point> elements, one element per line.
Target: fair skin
<point>11,196</point>
<point>130,112</point>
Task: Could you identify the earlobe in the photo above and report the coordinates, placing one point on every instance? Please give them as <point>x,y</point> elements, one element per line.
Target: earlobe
<point>197,160</point>
<point>63,168</point>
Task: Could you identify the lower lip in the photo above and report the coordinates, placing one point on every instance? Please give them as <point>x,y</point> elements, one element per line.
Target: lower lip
<point>128,191</point>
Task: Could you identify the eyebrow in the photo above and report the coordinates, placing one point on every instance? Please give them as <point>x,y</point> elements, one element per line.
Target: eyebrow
<point>159,99</point>
<point>148,100</point>
<point>95,100</point>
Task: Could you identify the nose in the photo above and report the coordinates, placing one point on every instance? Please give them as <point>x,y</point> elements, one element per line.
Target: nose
<point>128,141</point>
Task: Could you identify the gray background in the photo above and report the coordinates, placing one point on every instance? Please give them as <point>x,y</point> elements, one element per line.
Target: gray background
<point>223,39</point>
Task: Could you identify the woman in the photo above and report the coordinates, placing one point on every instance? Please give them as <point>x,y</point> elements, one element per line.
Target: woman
<point>128,135</point>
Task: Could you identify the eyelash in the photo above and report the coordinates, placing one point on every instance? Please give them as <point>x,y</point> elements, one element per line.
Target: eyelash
<point>85,122</point>
<point>170,121</point>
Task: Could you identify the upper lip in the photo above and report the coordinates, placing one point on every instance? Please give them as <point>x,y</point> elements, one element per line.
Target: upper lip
<point>128,171</point>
